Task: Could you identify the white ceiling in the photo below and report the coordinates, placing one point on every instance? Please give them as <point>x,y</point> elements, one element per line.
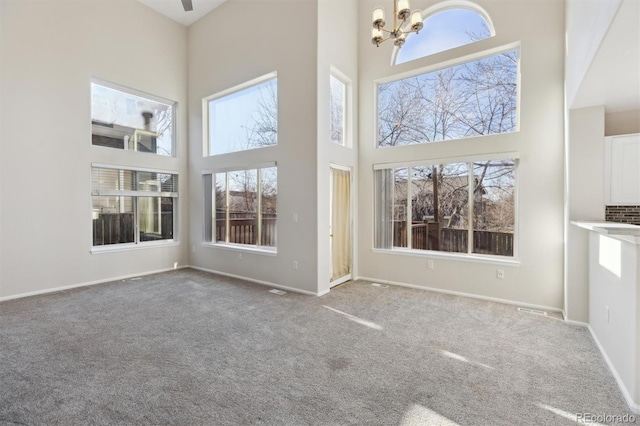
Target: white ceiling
<point>613,79</point>
<point>173,9</point>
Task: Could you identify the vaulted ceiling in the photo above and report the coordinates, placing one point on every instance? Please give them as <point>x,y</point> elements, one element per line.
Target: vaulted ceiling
<point>612,79</point>
<point>173,9</point>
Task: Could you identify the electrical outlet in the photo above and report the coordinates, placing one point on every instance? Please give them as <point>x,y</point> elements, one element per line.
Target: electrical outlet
<point>295,264</point>
<point>606,310</point>
<point>239,256</point>
<point>500,274</point>
<point>295,218</point>
<point>429,263</point>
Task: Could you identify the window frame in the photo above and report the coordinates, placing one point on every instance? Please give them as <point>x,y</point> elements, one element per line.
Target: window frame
<point>142,94</point>
<point>210,217</point>
<point>469,255</point>
<point>461,60</point>
<point>442,7</point>
<point>206,133</point>
<point>136,194</point>
<point>347,115</point>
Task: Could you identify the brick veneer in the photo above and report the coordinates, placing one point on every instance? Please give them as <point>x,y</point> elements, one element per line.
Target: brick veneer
<point>623,214</point>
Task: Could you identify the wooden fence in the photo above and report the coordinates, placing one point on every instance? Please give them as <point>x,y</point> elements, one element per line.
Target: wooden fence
<point>244,231</point>
<point>431,237</point>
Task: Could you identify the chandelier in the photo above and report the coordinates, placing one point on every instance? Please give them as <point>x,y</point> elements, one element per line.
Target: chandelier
<point>401,26</point>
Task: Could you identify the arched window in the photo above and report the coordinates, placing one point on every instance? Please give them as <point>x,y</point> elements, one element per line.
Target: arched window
<point>446,26</point>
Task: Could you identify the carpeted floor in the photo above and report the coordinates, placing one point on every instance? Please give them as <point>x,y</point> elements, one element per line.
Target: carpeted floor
<point>191,348</point>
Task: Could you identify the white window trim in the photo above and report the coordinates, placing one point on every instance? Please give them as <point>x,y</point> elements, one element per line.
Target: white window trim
<point>241,168</point>
<point>235,246</point>
<point>449,5</point>
<point>134,168</point>
<point>348,106</point>
<point>476,56</point>
<point>446,160</point>
<point>431,254</point>
<point>459,60</point>
<point>265,250</point>
<point>206,151</point>
<point>477,257</point>
<point>151,97</point>
<point>133,246</point>
<point>136,194</point>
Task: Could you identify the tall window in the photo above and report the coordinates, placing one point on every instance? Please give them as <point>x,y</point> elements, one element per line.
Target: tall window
<point>126,120</point>
<point>471,99</point>
<point>337,109</point>
<point>132,206</point>
<point>241,207</point>
<point>457,207</point>
<point>244,117</point>
<point>444,30</point>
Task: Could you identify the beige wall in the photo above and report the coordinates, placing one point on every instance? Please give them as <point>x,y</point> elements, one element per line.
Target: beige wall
<point>622,122</point>
<point>613,312</point>
<point>585,201</point>
<point>538,277</point>
<point>70,41</point>
<point>338,48</point>
<point>1,136</point>
<point>50,51</point>
<point>223,55</point>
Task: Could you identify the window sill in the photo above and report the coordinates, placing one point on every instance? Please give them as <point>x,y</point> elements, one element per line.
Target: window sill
<point>129,247</point>
<point>240,247</point>
<point>430,254</point>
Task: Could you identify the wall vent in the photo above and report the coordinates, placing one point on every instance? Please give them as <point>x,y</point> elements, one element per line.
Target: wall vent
<point>379,285</point>
<point>278,292</point>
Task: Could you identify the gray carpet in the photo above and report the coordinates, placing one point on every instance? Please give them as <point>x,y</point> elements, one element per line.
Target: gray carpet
<point>191,348</point>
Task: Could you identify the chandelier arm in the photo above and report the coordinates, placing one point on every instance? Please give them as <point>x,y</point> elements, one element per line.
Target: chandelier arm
<point>395,15</point>
<point>382,41</point>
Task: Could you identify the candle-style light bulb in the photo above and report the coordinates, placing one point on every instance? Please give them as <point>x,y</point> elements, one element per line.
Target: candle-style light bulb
<point>416,21</point>
<point>376,36</point>
<point>403,9</point>
<point>378,18</point>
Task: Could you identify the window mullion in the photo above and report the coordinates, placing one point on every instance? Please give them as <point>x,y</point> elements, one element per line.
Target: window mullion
<point>214,215</point>
<point>259,213</point>
<point>159,204</point>
<point>471,180</point>
<point>136,220</point>
<point>409,209</point>
<point>121,187</point>
<point>227,218</point>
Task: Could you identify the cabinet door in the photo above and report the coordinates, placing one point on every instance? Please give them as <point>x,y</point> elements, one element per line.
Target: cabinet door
<point>623,169</point>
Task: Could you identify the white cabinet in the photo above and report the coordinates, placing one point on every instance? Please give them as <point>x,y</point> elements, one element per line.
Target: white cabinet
<point>622,170</point>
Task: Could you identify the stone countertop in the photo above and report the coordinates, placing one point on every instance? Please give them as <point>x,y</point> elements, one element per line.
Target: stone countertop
<point>621,231</point>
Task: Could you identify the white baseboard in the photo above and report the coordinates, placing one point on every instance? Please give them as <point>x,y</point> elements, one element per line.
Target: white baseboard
<point>86,284</point>
<point>261,282</point>
<point>635,408</point>
<point>459,293</point>
<point>124,277</point>
<point>576,323</point>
